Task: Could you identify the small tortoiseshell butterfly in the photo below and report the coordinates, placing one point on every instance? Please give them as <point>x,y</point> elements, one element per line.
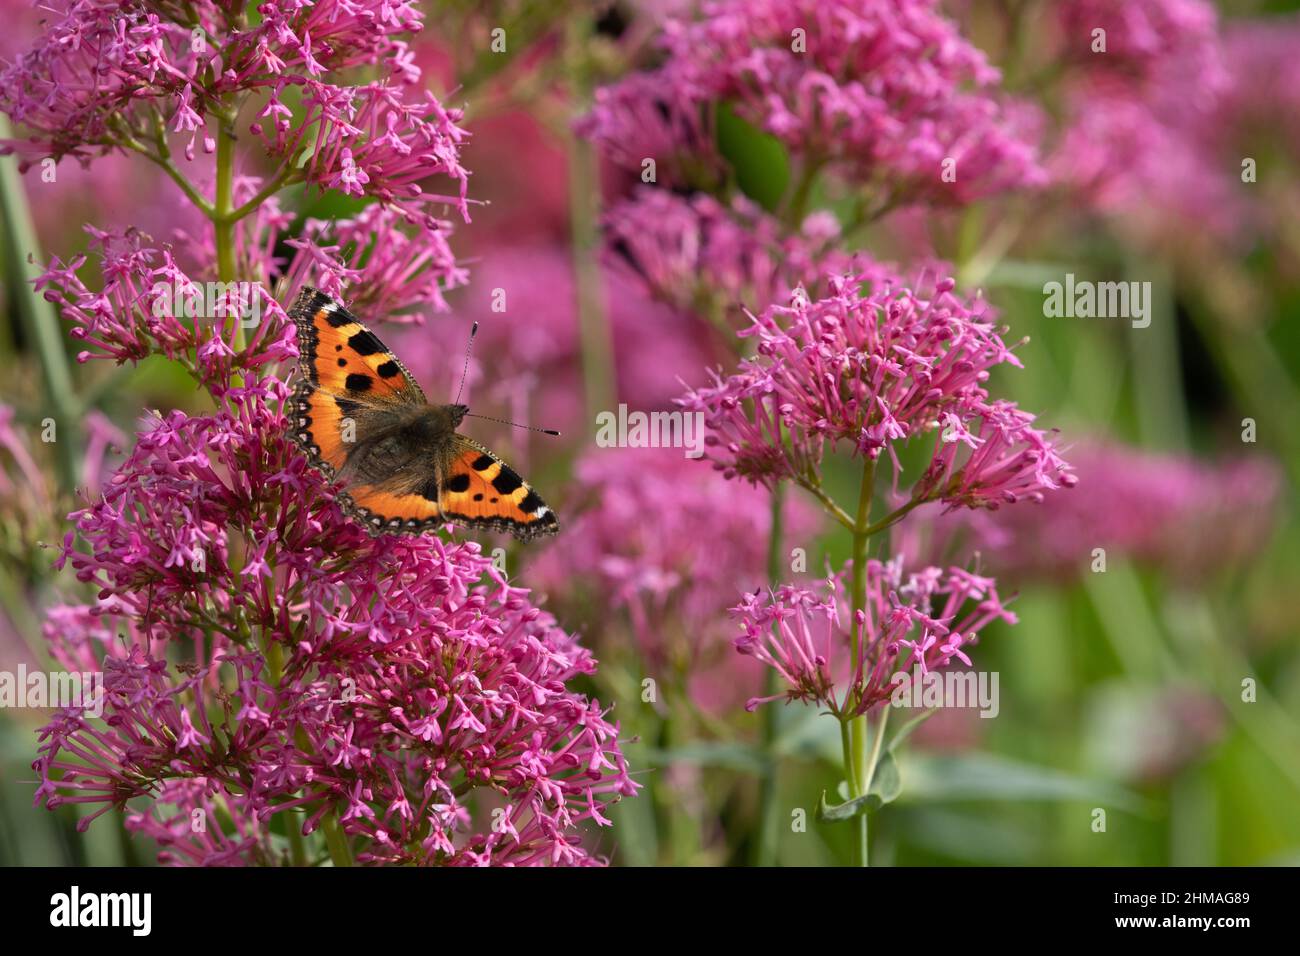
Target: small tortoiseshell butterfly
<point>406,469</point>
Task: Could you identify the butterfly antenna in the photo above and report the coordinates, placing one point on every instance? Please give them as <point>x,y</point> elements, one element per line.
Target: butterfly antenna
<point>465,371</point>
<point>529,428</point>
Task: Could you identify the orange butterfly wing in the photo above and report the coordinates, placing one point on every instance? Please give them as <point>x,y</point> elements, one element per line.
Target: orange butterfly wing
<point>342,365</point>
<point>480,490</point>
<point>340,355</point>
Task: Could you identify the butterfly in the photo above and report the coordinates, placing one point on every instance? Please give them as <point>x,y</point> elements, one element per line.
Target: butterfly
<point>362,419</point>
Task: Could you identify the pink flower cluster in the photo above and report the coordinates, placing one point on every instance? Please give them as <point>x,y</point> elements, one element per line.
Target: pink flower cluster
<point>422,700</point>
<point>875,367</point>
<point>108,75</point>
<point>922,620</point>
<point>1149,135</point>
<point>398,263</point>
<point>884,92</point>
<point>133,314</point>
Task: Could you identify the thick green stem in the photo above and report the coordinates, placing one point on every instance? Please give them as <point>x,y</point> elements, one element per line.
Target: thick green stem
<point>769,817</point>
<point>221,219</point>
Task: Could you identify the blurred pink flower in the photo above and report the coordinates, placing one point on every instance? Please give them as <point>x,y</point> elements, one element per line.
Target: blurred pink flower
<point>660,543</point>
<point>1187,517</point>
<point>1147,121</point>
<point>690,250</point>
<point>525,299</point>
<point>1129,160</point>
<point>1142,40</point>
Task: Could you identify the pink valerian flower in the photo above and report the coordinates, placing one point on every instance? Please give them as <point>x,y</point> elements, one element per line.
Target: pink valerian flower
<point>373,141</point>
<point>397,262</point>
<point>397,728</point>
<point>874,366</point>
<point>1263,87</point>
<point>688,251</point>
<point>884,93</point>
<point>1128,159</point>
<point>1131,146</point>
<point>664,583</point>
<point>924,621</point>
<point>1189,518</point>
<point>397,688</point>
<point>215,531</point>
<point>110,76</point>
<point>385,263</point>
<point>1171,159</point>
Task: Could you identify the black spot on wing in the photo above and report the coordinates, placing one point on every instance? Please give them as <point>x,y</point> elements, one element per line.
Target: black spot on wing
<point>338,319</point>
<point>388,370</point>
<point>506,481</point>
<point>483,462</point>
<point>429,490</point>
<point>530,503</point>
<point>356,382</point>
<point>458,483</point>
<point>346,406</point>
<point>364,343</point>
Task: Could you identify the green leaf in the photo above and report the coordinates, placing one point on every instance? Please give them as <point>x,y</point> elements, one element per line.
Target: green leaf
<point>759,159</point>
<point>981,776</point>
<point>839,812</point>
<point>1013,273</point>
<point>886,785</point>
<point>905,731</point>
<point>887,782</point>
<point>729,756</point>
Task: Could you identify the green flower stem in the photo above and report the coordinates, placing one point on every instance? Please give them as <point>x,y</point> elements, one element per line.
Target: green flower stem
<point>297,847</point>
<point>812,485</point>
<point>594,334</point>
<point>765,846</point>
<point>340,852</point>
<point>223,222</point>
<point>854,735</point>
<point>39,318</point>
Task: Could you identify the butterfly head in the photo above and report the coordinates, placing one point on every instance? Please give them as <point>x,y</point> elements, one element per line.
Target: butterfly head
<point>437,420</point>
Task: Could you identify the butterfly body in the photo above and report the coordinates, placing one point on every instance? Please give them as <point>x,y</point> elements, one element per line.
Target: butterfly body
<point>363,421</point>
